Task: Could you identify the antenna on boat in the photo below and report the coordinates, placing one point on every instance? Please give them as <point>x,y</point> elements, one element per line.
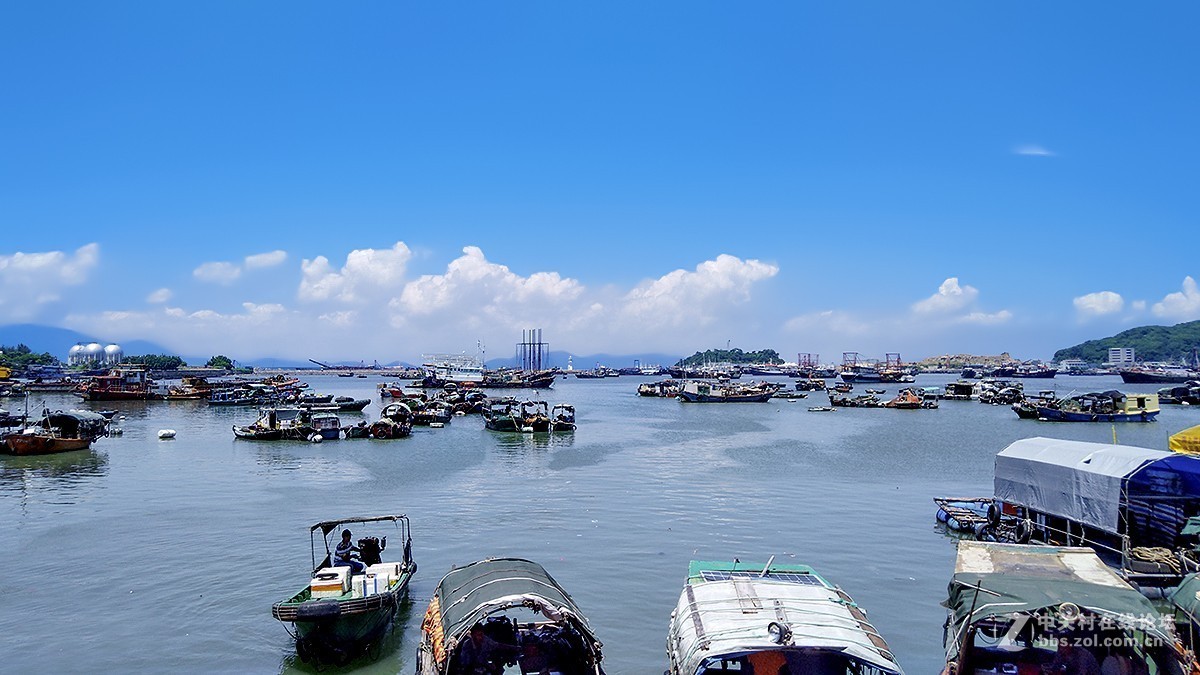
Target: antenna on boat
<point>768,567</point>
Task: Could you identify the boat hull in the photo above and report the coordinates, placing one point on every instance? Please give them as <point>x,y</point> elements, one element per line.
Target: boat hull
<point>692,397</point>
<point>39,444</point>
<point>1145,377</point>
<point>1055,415</point>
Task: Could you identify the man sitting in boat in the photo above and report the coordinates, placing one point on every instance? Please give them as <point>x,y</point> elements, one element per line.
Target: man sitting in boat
<point>481,655</point>
<point>1072,660</point>
<point>532,660</point>
<point>343,555</point>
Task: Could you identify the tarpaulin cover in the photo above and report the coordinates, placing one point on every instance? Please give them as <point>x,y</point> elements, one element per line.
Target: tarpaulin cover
<point>1072,479</point>
<point>1186,441</point>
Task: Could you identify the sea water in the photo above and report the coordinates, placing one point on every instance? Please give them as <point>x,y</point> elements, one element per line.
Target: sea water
<point>148,555</point>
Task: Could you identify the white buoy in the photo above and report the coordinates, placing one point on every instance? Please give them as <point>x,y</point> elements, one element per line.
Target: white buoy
<point>166,434</point>
<point>436,425</point>
<point>527,430</point>
<point>315,438</point>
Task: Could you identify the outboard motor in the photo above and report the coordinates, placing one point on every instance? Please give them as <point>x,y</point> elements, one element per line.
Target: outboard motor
<point>369,550</point>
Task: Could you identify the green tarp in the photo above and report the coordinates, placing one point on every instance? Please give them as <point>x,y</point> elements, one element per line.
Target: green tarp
<point>1186,596</point>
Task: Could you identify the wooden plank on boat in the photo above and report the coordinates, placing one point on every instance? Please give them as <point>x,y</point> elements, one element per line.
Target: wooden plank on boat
<point>701,639</point>
<point>747,598</point>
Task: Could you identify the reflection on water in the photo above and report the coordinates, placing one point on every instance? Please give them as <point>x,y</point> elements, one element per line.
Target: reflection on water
<point>383,657</point>
<point>63,469</point>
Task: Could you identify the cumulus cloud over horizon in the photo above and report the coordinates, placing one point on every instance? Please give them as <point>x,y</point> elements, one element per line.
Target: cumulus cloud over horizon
<point>28,281</point>
<point>368,304</point>
<point>1183,305</point>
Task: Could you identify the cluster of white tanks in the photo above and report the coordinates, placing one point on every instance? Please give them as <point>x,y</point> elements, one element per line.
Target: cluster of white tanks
<point>94,353</point>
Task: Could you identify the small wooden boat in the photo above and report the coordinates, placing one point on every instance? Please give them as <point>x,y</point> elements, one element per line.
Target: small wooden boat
<point>275,424</point>
<point>501,415</point>
<point>1106,407</point>
<point>395,421</point>
<point>706,392</point>
<point>338,615</point>
<point>821,408</point>
<point>59,431</point>
<point>489,601</point>
<point>562,417</point>
<point>752,618</point>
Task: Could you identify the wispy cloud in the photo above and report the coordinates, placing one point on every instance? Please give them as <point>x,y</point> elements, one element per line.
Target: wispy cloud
<point>1032,150</point>
<point>160,296</point>
<point>260,260</point>
<point>224,273</point>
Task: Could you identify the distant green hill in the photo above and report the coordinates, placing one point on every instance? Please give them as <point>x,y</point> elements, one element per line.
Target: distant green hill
<point>734,355</point>
<point>1150,343</point>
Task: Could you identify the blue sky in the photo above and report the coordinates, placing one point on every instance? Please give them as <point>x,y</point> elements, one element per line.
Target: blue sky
<point>629,177</point>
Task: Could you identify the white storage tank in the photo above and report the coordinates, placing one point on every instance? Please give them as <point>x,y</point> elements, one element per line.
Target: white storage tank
<point>113,354</point>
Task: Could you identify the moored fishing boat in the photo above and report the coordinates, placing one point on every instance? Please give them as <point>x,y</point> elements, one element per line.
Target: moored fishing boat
<point>277,424</point>
<point>737,617</point>
<point>562,417</point>
<point>663,389</point>
<point>501,414</point>
<point>478,622</point>
<point>1109,406</point>
<point>698,391</point>
<point>326,425</point>
<point>395,421</point>
<point>124,383</point>
<point>59,431</point>
<point>1048,609</point>
<point>339,615</point>
<point>534,416</point>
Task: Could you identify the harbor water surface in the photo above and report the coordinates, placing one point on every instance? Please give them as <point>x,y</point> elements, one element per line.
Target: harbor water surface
<point>144,555</point>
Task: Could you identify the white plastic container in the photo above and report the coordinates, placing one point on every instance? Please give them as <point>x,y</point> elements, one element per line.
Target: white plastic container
<point>370,584</point>
<point>330,582</point>
<point>392,569</point>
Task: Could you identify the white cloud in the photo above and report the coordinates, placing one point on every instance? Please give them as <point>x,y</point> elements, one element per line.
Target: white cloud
<point>261,260</point>
<point>30,280</point>
<point>160,296</point>
<point>950,297</point>
<point>1181,306</point>
<point>1099,304</point>
<point>684,297</point>
<point>1138,305</point>
<point>828,321</point>
<point>475,292</point>
<point>368,273</point>
<point>986,319</point>
<point>1032,150</point>
<point>223,273</point>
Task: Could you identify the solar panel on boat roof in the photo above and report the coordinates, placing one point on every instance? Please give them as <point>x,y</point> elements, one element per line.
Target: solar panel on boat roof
<point>792,577</point>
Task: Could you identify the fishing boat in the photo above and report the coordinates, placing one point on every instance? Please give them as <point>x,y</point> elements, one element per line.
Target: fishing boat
<point>502,414</point>
<point>562,417</point>
<point>124,383</point>
<point>59,431</point>
<point>1131,505</point>
<point>534,416</point>
<point>500,613</point>
<point>1109,406</point>
<point>278,424</point>
<point>911,398</point>
<point>821,408</point>
<point>735,617</point>
<point>1185,604</point>
<point>395,421</point>
<point>1025,609</point>
<point>1158,374</point>
<point>340,615</point>
<point>960,390</point>
<point>699,391</point>
<point>663,389</point>
<point>326,425</point>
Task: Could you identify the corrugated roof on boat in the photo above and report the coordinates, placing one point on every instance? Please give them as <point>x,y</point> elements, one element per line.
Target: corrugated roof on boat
<point>730,617</point>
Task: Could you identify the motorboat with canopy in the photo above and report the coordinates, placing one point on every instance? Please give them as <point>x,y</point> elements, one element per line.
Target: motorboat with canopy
<point>347,609</point>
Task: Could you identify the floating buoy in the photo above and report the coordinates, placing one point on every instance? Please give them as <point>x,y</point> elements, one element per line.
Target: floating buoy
<point>315,438</point>
<point>115,431</point>
<point>166,434</point>
<point>527,430</point>
<point>436,425</point>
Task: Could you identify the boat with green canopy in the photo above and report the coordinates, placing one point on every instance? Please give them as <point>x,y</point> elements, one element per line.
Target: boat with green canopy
<point>1031,609</point>
<point>736,617</point>
<point>474,623</point>
<point>347,609</point>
